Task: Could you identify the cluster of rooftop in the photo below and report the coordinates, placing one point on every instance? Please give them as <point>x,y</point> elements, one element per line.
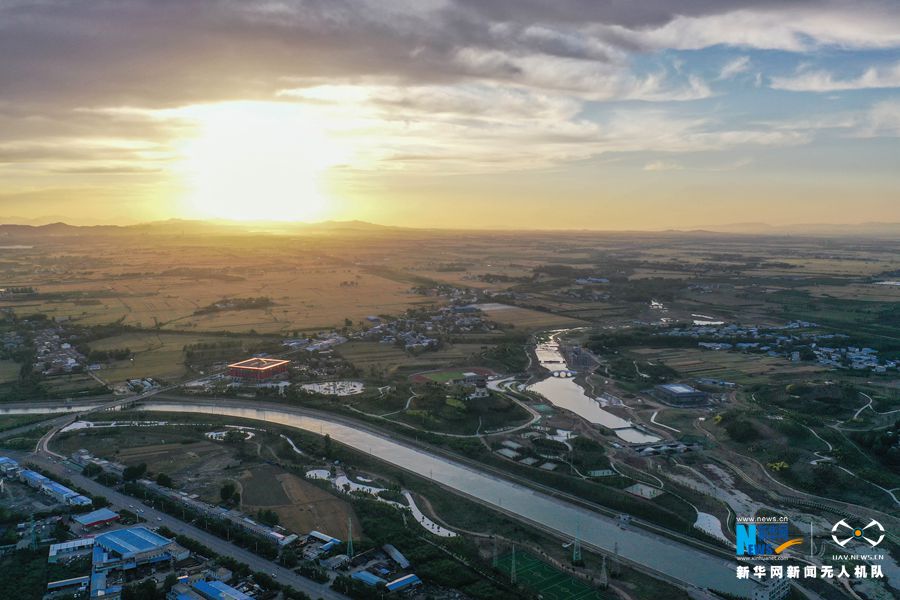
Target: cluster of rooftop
<point>53,489</point>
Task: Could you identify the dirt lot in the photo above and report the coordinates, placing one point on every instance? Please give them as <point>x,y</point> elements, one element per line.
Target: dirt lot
<point>174,460</point>
<point>163,450</point>
<point>300,505</point>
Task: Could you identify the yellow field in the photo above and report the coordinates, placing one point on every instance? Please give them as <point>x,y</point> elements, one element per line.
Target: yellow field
<point>860,291</point>
<point>148,284</point>
<point>303,299</point>
<point>156,355</point>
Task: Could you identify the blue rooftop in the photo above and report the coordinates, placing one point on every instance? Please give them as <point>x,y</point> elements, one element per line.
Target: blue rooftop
<point>127,542</point>
<point>64,583</point>
<point>403,582</point>
<point>33,476</point>
<point>367,578</point>
<point>102,514</point>
<point>216,590</point>
<point>59,488</point>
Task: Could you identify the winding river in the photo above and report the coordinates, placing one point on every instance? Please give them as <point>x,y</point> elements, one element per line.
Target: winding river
<point>672,560</point>
<point>565,393</point>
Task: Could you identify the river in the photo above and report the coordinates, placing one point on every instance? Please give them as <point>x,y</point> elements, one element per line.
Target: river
<point>565,393</point>
<point>676,561</point>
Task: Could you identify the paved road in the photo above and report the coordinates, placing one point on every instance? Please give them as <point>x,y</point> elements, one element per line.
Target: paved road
<point>634,545</point>
<point>156,518</point>
<point>547,509</point>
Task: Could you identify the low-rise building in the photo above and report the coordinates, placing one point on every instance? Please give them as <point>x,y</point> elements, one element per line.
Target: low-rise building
<point>258,369</point>
<point>95,519</point>
<point>206,590</point>
<point>679,394</point>
<point>8,466</point>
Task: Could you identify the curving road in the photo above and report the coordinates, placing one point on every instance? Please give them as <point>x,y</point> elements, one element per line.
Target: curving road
<point>666,558</point>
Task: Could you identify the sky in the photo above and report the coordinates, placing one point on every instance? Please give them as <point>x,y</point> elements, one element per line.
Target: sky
<point>586,114</point>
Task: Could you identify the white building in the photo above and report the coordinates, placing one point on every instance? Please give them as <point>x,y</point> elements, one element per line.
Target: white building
<point>772,589</point>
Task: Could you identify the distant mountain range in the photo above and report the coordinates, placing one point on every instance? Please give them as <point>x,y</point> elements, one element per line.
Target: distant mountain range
<point>185,226</point>
<point>826,229</point>
<point>37,228</point>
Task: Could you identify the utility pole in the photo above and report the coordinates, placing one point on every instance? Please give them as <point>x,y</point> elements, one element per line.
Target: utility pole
<point>350,537</point>
<point>614,567</point>
<point>494,557</point>
<point>604,574</point>
<point>32,532</point>
<point>576,545</point>
<point>512,567</point>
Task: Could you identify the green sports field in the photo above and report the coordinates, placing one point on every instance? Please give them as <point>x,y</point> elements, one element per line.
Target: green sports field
<point>547,581</point>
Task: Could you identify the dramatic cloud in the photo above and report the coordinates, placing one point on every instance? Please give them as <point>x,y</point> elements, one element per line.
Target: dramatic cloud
<point>116,88</point>
<point>825,81</point>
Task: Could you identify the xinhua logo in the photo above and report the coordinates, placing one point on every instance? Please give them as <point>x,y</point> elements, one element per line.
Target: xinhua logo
<point>842,533</point>
<point>763,539</point>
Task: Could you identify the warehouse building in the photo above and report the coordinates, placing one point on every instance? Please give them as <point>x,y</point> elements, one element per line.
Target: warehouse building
<point>8,466</point>
<point>680,394</point>
<point>206,590</point>
<point>402,583</point>
<point>55,490</point>
<point>67,550</point>
<point>95,519</point>
<point>125,549</point>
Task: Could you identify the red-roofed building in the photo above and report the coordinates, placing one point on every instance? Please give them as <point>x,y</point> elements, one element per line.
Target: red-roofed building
<point>258,369</point>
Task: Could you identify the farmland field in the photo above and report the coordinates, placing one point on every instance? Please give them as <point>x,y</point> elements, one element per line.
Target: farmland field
<point>365,355</point>
<point>526,318</point>
<point>730,366</point>
<point>156,355</point>
<point>300,505</point>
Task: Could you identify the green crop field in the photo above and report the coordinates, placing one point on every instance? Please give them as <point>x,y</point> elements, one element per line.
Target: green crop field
<point>546,581</point>
<point>368,355</point>
<point>158,355</point>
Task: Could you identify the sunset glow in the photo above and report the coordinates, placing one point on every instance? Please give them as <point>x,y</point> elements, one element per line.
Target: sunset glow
<point>633,115</point>
<point>257,161</point>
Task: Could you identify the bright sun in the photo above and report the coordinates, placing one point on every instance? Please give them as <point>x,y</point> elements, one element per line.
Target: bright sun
<point>257,161</point>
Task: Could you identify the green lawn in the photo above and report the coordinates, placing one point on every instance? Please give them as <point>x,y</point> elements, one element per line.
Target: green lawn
<point>9,371</point>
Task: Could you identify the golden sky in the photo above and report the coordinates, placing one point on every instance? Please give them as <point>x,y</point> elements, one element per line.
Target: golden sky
<point>451,113</point>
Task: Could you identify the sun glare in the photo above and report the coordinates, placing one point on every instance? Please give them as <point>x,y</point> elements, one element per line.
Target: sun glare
<point>258,161</point>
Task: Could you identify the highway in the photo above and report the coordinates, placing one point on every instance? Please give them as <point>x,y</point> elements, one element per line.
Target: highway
<point>156,518</point>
